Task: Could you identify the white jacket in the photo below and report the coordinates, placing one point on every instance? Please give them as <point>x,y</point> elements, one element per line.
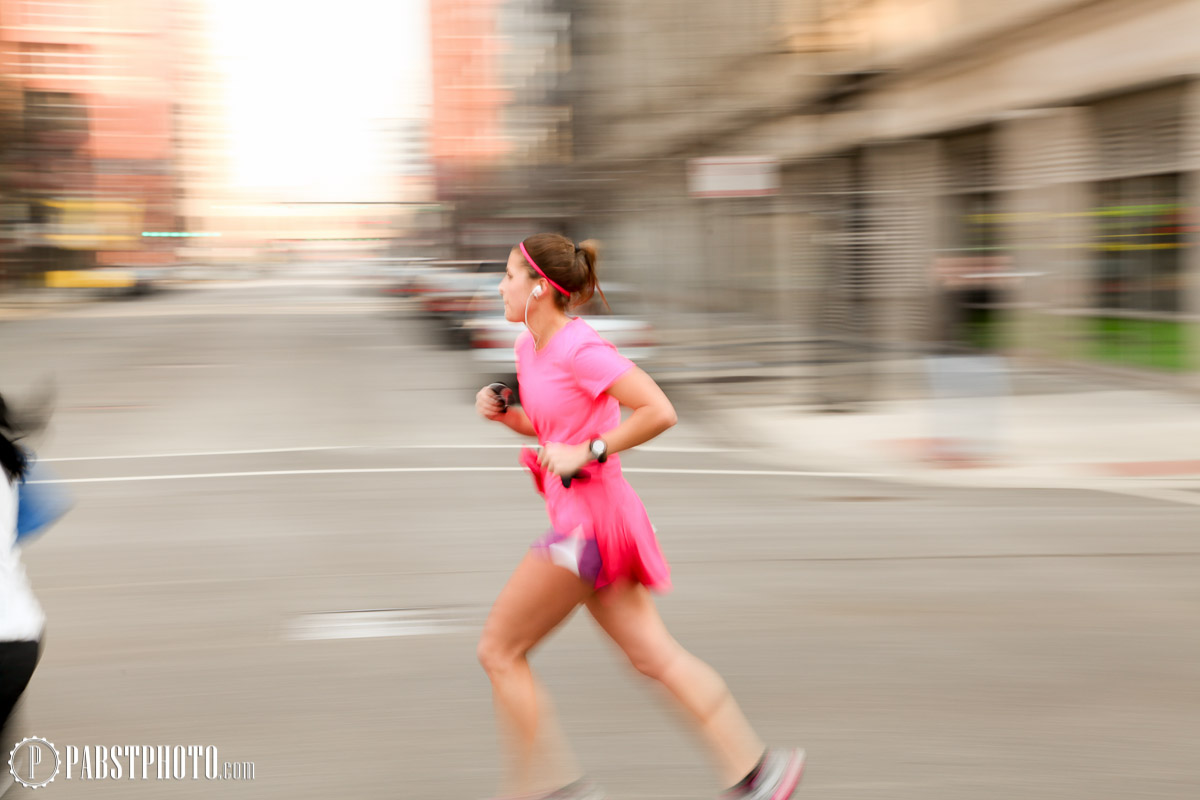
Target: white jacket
<point>21,616</point>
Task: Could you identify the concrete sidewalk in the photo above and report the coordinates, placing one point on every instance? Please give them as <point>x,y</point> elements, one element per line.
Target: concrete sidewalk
<point>1100,438</point>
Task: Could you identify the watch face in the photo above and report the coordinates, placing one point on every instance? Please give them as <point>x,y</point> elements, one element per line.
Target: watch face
<point>598,447</point>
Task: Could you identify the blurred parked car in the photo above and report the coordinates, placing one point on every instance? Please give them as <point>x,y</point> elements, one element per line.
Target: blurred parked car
<point>109,281</point>
<point>449,277</point>
<point>452,292</point>
<point>398,276</point>
<point>492,337</point>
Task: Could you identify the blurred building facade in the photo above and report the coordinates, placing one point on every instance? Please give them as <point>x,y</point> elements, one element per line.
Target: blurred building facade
<point>465,142</point>
<point>500,134</point>
<point>407,157</point>
<point>201,138</point>
<point>941,175</point>
<point>92,163</point>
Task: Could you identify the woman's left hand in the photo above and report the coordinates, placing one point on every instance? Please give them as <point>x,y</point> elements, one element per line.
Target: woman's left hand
<point>564,459</point>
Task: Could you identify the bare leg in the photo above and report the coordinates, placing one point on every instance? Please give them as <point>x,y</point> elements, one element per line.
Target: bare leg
<point>537,597</point>
<point>628,615</point>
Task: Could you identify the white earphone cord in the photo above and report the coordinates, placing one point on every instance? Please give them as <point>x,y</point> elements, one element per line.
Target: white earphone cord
<point>531,333</point>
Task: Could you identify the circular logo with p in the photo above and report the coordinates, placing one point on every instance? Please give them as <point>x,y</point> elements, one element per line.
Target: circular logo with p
<point>34,762</point>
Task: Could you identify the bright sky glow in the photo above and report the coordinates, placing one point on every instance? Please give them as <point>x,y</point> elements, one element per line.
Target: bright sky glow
<point>313,90</point>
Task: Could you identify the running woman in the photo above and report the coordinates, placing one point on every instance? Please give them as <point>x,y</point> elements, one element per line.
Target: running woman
<point>601,549</point>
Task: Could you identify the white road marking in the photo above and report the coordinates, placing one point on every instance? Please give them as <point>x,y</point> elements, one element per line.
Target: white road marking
<point>384,470</point>
<point>796,473</point>
<point>1143,488</point>
<point>201,454</point>
<point>382,622</point>
<point>272,473</point>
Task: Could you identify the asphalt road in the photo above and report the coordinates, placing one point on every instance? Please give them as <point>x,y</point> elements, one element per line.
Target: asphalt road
<point>290,524</point>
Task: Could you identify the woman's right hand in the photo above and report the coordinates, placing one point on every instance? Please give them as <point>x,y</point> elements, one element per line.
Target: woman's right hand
<point>489,405</point>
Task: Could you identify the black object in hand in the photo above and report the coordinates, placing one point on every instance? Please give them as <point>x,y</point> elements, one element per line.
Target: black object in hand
<point>504,392</point>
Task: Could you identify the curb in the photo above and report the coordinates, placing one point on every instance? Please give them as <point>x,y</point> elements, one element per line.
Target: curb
<point>1169,479</point>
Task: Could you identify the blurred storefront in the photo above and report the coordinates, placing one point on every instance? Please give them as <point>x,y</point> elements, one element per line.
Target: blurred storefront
<point>501,132</point>
<point>955,176</point>
<point>93,164</point>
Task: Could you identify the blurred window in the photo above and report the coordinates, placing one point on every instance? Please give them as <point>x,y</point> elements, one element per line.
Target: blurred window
<point>57,14</point>
<point>974,257</point>
<point>1141,223</point>
<point>55,111</point>
<point>37,58</point>
<point>1140,234</point>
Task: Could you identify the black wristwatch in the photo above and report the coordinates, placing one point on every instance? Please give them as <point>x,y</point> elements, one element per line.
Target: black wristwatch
<point>599,449</point>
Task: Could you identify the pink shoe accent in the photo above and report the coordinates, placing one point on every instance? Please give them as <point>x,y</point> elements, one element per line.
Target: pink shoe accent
<point>791,777</point>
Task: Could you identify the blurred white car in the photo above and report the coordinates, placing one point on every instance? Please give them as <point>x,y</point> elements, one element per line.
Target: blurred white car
<point>449,290</point>
<point>398,276</point>
<point>492,337</point>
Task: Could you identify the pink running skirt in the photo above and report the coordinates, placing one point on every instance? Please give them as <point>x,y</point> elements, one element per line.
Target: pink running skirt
<point>599,527</point>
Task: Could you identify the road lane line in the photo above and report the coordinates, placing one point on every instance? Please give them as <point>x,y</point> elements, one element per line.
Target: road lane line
<point>1181,497</point>
<point>385,470</point>
<point>326,448</point>
<point>377,623</point>
<point>274,473</point>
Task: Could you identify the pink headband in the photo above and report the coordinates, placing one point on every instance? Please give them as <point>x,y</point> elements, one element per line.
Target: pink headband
<point>525,253</point>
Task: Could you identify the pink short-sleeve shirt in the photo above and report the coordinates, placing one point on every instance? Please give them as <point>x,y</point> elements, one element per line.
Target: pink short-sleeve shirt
<point>563,385</point>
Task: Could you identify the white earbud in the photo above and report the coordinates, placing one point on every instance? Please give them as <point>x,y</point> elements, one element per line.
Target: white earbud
<point>537,292</point>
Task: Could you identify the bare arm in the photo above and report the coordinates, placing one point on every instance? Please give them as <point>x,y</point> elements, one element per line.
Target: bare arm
<point>518,420</point>
<point>488,405</point>
<point>652,414</point>
<point>652,411</point>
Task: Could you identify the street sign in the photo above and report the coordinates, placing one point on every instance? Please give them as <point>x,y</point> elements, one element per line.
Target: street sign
<point>733,176</point>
